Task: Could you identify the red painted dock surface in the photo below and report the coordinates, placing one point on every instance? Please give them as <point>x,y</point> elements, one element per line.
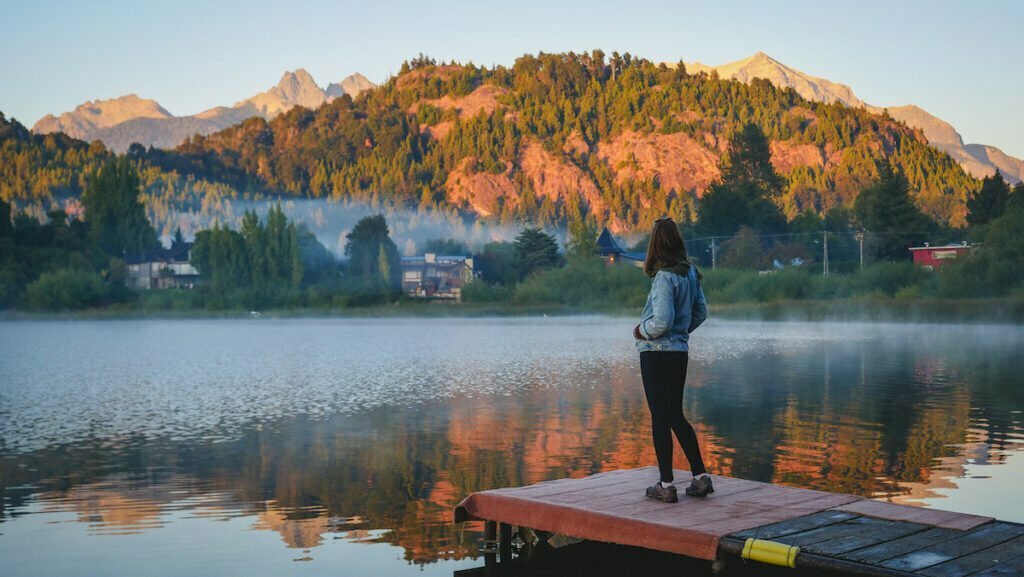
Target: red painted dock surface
<point>611,507</point>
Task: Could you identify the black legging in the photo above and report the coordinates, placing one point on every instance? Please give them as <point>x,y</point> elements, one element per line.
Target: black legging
<point>664,375</point>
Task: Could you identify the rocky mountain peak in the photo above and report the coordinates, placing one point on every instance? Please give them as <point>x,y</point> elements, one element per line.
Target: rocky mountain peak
<point>99,114</point>
<point>351,85</point>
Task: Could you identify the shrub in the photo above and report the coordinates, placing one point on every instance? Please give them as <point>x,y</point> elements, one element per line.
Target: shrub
<point>587,283</point>
<point>481,292</point>
<point>65,290</point>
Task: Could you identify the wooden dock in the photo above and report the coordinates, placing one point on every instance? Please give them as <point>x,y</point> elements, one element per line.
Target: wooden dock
<point>838,534</point>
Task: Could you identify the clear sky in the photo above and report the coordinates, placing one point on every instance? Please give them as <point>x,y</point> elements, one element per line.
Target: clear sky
<point>962,61</point>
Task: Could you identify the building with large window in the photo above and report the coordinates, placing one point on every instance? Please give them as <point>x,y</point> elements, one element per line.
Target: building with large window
<point>160,268</point>
<point>438,277</point>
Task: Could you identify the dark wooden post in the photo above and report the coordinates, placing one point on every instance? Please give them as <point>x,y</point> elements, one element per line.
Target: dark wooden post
<point>505,542</point>
<point>490,544</point>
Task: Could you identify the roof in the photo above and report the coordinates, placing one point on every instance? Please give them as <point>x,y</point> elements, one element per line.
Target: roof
<point>177,253</point>
<point>607,245</point>
<point>945,246</point>
<point>442,260</point>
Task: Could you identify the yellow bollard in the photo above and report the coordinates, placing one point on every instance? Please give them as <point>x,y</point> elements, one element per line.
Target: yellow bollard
<point>770,552</point>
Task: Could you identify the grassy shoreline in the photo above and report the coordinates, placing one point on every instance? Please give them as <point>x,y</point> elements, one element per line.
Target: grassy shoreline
<point>982,311</point>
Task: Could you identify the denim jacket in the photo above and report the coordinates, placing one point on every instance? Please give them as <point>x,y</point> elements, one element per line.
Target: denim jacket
<point>675,308</point>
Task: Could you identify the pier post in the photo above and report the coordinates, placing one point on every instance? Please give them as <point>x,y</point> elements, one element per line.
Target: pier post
<point>490,543</point>
<point>505,542</point>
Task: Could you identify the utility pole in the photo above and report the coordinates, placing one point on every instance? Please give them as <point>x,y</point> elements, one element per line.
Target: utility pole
<point>713,256</point>
<point>860,240</point>
<point>824,262</point>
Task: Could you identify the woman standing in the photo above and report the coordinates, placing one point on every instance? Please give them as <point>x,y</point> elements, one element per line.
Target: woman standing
<point>675,307</point>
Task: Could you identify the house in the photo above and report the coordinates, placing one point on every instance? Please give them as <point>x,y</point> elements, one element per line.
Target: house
<point>160,268</point>
<point>434,276</point>
<point>934,257</point>
<point>611,252</point>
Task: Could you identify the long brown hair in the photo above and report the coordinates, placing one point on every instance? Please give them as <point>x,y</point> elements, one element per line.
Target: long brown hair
<point>666,248</point>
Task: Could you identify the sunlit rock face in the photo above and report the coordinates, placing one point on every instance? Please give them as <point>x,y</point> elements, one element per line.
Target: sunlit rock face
<point>980,160</point>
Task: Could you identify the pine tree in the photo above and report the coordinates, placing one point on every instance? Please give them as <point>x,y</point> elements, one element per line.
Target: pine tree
<point>989,203</point>
<point>535,250</point>
<point>364,246</point>
<point>5,218</point>
<point>744,196</point>
<point>890,217</point>
<point>582,243</point>
<point>117,220</point>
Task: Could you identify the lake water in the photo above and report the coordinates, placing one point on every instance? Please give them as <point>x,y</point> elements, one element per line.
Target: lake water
<point>339,447</point>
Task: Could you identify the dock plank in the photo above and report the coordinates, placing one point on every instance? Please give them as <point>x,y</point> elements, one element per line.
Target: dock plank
<point>978,561</point>
<point>923,515</point>
<point>807,539</point>
<point>877,531</point>
<point>897,547</point>
<point>805,523</point>
<point>1014,567</point>
<point>981,538</point>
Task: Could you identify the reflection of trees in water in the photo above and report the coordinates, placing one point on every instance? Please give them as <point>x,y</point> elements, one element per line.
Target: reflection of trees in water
<point>860,417</point>
<point>878,414</point>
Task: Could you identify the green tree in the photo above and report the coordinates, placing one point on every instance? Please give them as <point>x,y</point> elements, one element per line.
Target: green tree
<point>221,256</point>
<point>749,159</point>
<point>445,246</point>
<point>582,242</point>
<point>497,263</point>
<point>745,195</point>
<point>364,246</point>
<point>535,250</point>
<point>6,226</point>
<point>117,220</point>
<point>991,269</point>
<point>280,248</point>
<point>1017,197</point>
<point>989,202</point>
<point>744,250</point>
<point>890,217</point>
<point>253,234</point>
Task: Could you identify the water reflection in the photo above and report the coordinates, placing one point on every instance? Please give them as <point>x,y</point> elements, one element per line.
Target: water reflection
<point>339,434</point>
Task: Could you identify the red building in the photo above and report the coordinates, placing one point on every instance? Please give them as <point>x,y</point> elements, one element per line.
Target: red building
<point>933,257</point>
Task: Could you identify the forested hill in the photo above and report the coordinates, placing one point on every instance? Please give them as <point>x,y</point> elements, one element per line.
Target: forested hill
<point>560,134</point>
<point>40,167</point>
<point>557,136</point>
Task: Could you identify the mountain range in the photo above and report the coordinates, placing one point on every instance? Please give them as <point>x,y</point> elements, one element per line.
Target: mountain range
<point>549,140</point>
<point>980,160</point>
<point>119,122</point>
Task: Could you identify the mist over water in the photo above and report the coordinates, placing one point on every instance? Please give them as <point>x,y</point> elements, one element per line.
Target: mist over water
<point>220,447</point>
<point>330,221</point>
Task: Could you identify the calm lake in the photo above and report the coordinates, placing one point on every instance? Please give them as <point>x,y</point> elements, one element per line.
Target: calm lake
<point>339,447</point>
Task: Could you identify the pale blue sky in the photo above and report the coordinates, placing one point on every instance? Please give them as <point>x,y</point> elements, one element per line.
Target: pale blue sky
<point>962,61</point>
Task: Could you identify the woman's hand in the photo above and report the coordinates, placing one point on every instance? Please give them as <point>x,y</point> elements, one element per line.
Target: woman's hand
<point>636,333</point>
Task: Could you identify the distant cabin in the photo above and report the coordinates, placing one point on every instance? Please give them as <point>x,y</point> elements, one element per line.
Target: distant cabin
<point>162,268</point>
<point>611,252</point>
<point>436,277</point>
<point>935,257</point>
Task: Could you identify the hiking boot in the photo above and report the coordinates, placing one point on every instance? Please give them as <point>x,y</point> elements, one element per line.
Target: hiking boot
<point>663,494</point>
<point>700,487</point>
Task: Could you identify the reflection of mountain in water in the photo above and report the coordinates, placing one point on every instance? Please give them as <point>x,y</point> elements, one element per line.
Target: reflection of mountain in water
<point>870,414</point>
